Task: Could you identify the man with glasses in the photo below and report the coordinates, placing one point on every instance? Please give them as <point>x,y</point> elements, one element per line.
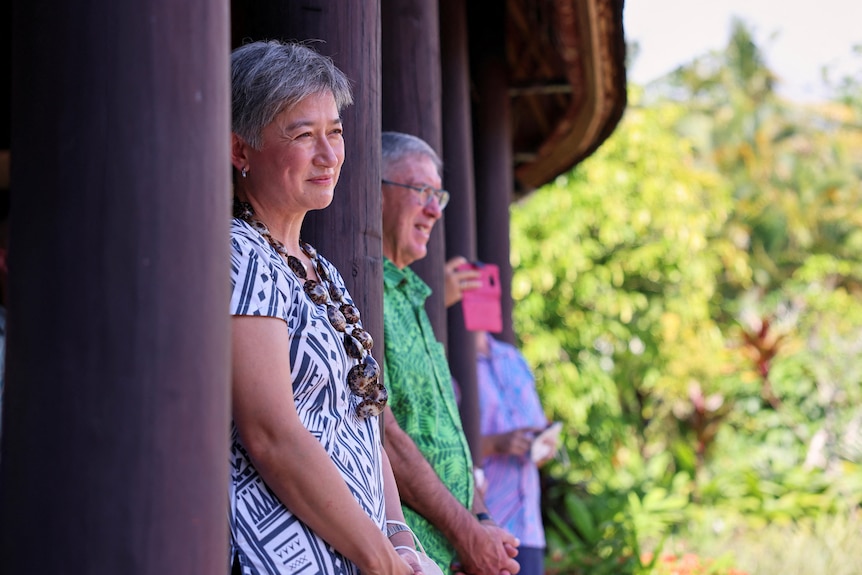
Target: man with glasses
<point>424,438</point>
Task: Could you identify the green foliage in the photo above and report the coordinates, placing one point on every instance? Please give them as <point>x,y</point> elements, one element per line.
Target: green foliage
<point>820,544</point>
<point>601,526</point>
<point>615,279</point>
<point>591,536</point>
<point>690,299</point>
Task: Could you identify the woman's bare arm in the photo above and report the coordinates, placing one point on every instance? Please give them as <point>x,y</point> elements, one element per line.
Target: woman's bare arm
<point>289,459</point>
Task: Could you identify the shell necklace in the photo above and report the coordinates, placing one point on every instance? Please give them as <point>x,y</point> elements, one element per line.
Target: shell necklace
<point>363,378</point>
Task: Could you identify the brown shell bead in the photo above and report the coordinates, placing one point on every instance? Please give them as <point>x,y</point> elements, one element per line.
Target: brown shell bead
<point>362,376</point>
<point>242,210</point>
<point>352,346</point>
<point>368,408</point>
<point>336,318</point>
<point>372,368</point>
<point>357,383</point>
<point>364,337</point>
<point>296,267</point>
<point>278,246</point>
<point>307,249</point>
<point>321,271</point>
<point>351,314</point>
<point>315,291</point>
<point>259,228</point>
<point>378,394</point>
<point>374,402</point>
<point>372,405</point>
<point>335,293</point>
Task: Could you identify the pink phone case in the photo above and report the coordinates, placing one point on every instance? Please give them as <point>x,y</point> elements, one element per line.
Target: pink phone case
<point>481,306</point>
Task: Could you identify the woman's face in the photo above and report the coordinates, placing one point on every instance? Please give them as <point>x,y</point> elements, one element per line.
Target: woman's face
<point>300,158</point>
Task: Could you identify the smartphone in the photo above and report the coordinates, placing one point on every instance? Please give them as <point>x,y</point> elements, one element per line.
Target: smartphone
<point>541,448</point>
<point>481,306</point>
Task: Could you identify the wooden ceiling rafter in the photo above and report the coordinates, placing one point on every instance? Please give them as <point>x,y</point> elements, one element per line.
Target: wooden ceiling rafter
<point>566,82</point>
<point>531,56</point>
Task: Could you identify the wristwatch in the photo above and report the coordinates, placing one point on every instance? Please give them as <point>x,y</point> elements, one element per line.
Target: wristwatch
<point>393,527</point>
<point>482,516</point>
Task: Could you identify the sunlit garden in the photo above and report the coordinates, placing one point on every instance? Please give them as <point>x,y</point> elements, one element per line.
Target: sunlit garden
<point>690,298</point>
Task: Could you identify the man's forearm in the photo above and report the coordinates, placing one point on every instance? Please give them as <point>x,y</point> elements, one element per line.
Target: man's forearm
<point>481,549</point>
<point>478,503</point>
<point>419,485</point>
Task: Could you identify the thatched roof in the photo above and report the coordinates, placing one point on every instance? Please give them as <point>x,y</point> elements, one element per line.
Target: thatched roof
<point>567,83</point>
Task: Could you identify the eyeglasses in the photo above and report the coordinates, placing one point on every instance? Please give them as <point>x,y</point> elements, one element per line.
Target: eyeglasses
<point>425,193</point>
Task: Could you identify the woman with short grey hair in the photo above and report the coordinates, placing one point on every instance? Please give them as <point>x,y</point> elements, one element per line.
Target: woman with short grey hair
<point>311,486</point>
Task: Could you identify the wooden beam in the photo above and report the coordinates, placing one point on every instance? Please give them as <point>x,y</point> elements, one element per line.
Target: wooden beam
<point>348,232</point>
<point>461,231</point>
<point>412,104</point>
<point>492,146</point>
<point>115,423</point>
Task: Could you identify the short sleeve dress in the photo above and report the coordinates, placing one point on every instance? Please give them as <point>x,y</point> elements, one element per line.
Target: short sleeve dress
<point>265,536</point>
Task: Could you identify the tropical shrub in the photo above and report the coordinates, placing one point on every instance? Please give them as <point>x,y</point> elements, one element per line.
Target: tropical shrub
<point>690,298</point>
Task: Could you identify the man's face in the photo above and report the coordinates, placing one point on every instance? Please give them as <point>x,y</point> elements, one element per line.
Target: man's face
<point>407,221</point>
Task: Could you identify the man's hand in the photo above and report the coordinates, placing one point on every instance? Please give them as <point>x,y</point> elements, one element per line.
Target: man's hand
<point>420,488</point>
<point>488,550</point>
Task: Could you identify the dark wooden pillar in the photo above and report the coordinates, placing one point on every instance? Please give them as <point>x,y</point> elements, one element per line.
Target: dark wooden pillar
<point>115,426</point>
<point>411,104</point>
<point>348,232</point>
<point>461,212</point>
<point>5,88</point>
<point>493,145</point>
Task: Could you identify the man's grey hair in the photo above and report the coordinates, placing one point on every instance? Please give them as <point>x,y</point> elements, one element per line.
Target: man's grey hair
<point>398,145</point>
<point>270,77</point>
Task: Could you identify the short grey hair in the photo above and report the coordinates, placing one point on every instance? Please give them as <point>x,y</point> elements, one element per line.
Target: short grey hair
<point>270,77</point>
<point>398,145</point>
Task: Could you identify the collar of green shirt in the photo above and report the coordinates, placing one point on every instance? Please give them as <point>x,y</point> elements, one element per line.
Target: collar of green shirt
<point>405,280</point>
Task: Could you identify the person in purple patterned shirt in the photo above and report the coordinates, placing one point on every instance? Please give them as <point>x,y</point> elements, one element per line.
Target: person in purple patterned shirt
<point>511,417</point>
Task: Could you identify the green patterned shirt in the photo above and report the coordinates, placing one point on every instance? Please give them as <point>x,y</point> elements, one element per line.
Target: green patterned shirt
<point>422,399</point>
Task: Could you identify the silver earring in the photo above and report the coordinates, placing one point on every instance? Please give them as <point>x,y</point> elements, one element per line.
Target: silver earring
<point>244,172</point>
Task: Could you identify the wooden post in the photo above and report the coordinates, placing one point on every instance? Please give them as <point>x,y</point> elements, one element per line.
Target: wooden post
<point>411,104</point>
<point>461,212</point>
<point>348,232</point>
<point>493,146</point>
<point>5,88</point>
<point>115,424</point>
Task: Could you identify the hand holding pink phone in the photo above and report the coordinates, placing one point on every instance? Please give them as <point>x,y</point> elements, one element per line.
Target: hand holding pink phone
<point>481,306</point>
<point>459,279</point>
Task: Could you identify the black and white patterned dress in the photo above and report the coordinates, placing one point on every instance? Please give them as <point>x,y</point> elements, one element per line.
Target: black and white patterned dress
<point>267,537</point>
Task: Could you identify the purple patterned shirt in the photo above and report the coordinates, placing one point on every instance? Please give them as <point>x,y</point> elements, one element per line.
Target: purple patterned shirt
<point>508,400</point>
